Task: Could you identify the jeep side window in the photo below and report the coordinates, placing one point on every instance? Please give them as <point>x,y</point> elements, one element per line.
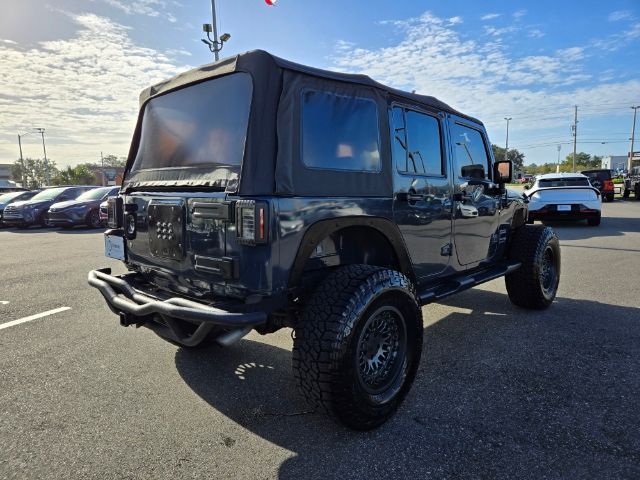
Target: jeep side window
<point>416,143</point>
<point>471,159</point>
<point>340,132</point>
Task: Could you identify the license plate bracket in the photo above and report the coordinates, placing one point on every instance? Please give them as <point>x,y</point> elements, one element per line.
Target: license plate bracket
<point>564,208</point>
<point>114,247</point>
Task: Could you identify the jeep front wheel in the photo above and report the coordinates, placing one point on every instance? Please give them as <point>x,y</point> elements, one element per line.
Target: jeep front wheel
<point>535,284</point>
<point>358,345</point>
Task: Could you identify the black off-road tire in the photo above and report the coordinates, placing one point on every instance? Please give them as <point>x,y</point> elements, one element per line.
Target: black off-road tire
<point>625,193</point>
<point>333,342</point>
<point>535,284</point>
<point>595,221</point>
<point>611,197</point>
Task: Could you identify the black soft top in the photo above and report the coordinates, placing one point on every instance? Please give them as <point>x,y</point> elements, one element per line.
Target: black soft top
<point>272,163</point>
<point>256,60</point>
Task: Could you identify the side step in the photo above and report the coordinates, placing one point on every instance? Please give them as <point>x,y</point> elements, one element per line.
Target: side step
<point>459,283</point>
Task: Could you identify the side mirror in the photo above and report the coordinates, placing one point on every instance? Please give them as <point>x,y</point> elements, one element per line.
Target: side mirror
<point>503,172</point>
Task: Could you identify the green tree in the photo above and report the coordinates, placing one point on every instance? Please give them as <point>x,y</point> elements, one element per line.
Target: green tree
<point>515,156</point>
<point>584,161</point>
<point>112,161</point>
<point>78,175</point>
<point>35,173</point>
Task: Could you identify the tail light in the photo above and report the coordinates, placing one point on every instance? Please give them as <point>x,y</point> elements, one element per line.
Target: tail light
<point>608,185</point>
<point>114,212</point>
<point>252,222</point>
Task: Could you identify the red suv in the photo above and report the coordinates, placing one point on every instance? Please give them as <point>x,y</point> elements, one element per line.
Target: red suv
<point>601,179</point>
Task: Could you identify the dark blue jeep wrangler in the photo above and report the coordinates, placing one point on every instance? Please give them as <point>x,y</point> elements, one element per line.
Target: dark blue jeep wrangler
<point>262,194</point>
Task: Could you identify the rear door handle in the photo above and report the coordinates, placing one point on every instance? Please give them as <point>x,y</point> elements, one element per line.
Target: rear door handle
<point>413,196</point>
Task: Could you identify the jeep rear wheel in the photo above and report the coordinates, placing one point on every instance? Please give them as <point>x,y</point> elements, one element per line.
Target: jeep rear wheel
<point>358,345</point>
<point>535,284</point>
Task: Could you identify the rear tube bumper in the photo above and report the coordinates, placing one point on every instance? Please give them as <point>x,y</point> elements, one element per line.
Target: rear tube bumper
<point>132,307</point>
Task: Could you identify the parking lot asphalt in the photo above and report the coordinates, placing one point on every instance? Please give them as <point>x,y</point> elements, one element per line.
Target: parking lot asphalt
<point>501,392</point>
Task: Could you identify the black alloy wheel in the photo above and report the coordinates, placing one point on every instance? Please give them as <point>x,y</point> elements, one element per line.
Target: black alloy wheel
<point>93,219</point>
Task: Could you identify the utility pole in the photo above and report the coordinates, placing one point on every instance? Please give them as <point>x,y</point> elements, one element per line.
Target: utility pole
<point>633,135</point>
<point>506,147</point>
<point>104,182</point>
<point>21,159</point>
<point>558,167</point>
<point>47,180</point>
<point>574,129</point>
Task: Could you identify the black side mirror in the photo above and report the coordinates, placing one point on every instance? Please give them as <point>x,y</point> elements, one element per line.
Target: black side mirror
<point>503,172</point>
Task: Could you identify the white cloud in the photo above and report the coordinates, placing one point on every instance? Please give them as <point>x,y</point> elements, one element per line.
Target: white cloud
<point>7,41</point>
<point>617,41</point>
<point>150,8</point>
<point>571,54</point>
<point>496,32</point>
<point>490,16</point>
<point>535,33</point>
<point>83,90</point>
<point>619,15</point>
<point>455,20</point>
<point>482,77</point>
<point>519,14</point>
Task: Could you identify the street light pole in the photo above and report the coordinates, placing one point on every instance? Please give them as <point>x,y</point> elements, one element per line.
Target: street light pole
<point>506,147</point>
<point>215,44</point>
<point>46,162</point>
<point>215,29</point>
<point>633,134</point>
<point>574,128</point>
<point>21,158</point>
<point>558,168</point>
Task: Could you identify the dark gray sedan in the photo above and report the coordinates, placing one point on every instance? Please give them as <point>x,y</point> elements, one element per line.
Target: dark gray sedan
<point>84,210</point>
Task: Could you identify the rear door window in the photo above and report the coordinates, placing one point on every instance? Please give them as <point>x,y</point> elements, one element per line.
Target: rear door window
<point>417,143</point>
<point>340,132</point>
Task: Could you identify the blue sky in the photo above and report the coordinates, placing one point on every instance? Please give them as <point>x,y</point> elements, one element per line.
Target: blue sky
<point>76,67</point>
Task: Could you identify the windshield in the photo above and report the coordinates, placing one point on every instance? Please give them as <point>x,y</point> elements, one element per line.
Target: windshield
<point>49,194</point>
<point>95,194</point>
<point>201,127</point>
<point>5,198</point>
<point>564,182</point>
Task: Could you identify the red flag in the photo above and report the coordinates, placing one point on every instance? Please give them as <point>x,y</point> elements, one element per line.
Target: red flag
<point>271,3</point>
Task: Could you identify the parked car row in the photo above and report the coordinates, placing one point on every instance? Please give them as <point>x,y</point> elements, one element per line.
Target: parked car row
<point>65,207</point>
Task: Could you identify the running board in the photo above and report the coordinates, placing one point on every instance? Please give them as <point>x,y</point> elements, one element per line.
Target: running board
<point>459,283</point>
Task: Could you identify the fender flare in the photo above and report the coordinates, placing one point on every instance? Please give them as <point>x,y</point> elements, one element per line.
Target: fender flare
<point>323,228</point>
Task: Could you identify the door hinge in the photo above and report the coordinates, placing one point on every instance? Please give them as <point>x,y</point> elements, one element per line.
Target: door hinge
<point>446,250</point>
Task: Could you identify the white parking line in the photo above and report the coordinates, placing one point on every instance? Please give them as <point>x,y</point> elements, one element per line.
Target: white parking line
<point>33,317</point>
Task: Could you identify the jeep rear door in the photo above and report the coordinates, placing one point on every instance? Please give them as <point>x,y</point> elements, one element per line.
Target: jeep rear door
<point>476,211</point>
<point>422,192</point>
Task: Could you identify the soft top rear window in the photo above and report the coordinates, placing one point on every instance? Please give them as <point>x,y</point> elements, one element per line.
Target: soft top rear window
<point>599,174</point>
<point>564,182</point>
<point>193,132</point>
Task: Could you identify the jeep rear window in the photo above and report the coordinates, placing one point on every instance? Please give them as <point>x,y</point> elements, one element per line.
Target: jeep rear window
<point>196,126</point>
<point>600,175</point>
<point>340,132</point>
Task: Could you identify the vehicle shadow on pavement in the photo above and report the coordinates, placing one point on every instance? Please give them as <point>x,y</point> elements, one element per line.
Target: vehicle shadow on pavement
<point>501,393</point>
<point>610,227</point>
